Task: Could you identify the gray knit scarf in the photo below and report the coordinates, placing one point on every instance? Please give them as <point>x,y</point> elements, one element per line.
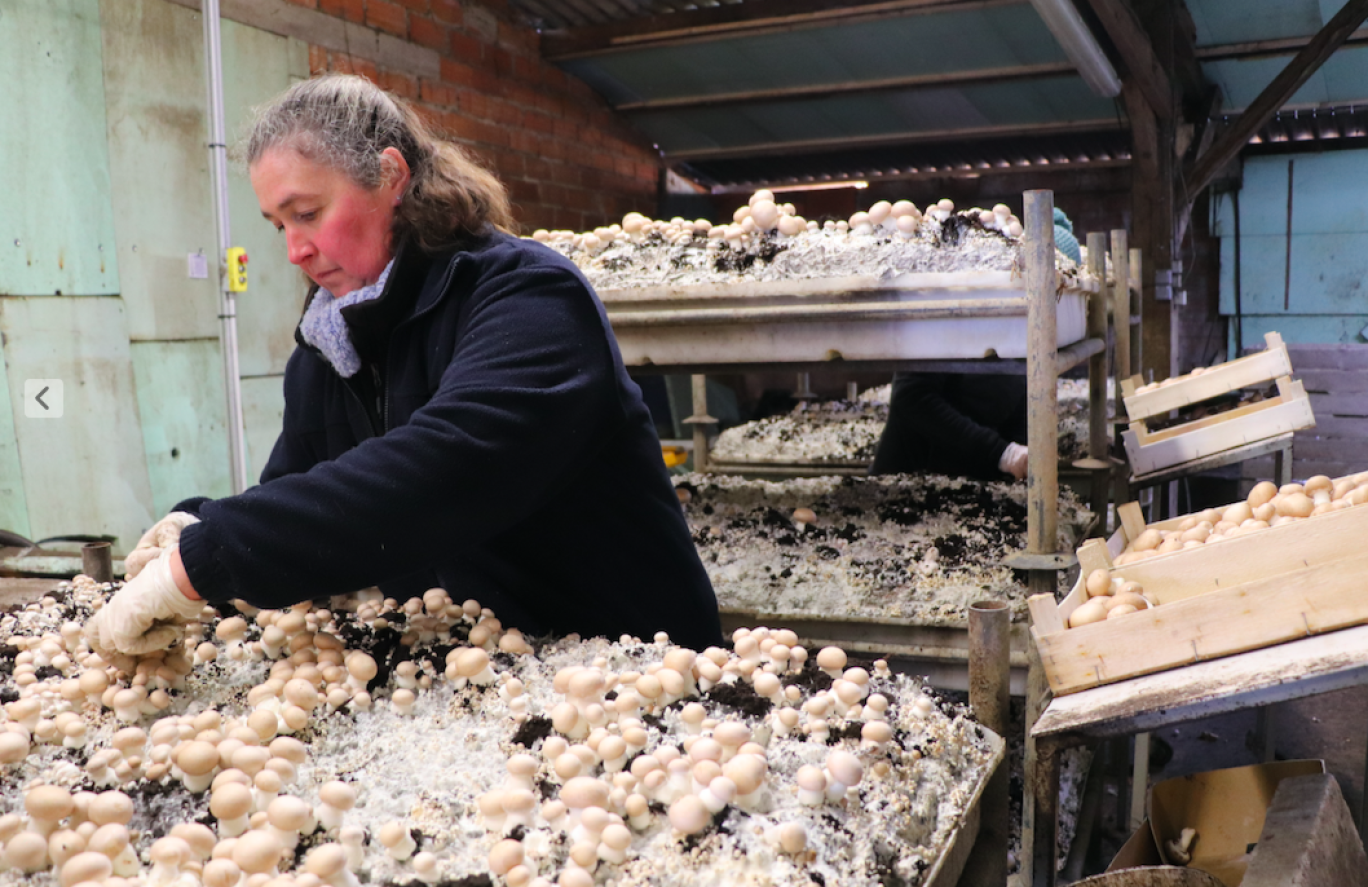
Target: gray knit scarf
<point>324,327</point>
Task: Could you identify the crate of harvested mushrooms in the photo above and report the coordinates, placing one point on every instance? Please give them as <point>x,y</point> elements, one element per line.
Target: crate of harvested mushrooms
<point>1280,565</point>
<point>1213,413</point>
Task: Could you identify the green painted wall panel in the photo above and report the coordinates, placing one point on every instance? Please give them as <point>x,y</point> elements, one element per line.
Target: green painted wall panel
<point>154,85</point>
<point>183,412</point>
<point>13,505</point>
<point>85,472</point>
<point>263,410</point>
<point>56,223</point>
<point>257,67</point>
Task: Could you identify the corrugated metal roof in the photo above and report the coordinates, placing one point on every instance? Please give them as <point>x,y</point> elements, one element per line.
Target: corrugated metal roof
<point>808,94</point>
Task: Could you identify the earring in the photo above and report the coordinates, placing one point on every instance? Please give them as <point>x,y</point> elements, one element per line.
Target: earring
<point>398,200</point>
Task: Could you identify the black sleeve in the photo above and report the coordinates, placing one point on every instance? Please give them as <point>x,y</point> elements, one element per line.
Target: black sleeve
<point>529,395</point>
<point>929,430</point>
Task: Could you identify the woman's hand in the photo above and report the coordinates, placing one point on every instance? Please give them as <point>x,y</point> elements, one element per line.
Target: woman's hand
<point>164,534</point>
<point>149,613</point>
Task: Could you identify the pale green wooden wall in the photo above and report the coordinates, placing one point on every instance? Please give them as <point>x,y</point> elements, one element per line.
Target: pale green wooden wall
<point>108,203</point>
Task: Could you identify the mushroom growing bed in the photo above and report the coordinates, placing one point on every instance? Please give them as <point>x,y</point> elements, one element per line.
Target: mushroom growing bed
<point>846,433</point>
<point>429,746</point>
<point>917,547</point>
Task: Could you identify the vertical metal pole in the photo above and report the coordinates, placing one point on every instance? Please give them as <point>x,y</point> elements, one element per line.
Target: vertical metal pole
<point>1098,436</point>
<point>990,676</point>
<point>1139,780</point>
<point>97,561</point>
<point>700,421</point>
<point>852,390</point>
<point>1121,311</point>
<point>1042,490</point>
<point>218,166</point>
<point>1137,309</point>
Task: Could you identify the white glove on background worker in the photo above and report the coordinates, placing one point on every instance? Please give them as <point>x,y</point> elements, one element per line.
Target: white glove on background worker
<point>149,613</point>
<point>1013,461</point>
<point>164,534</point>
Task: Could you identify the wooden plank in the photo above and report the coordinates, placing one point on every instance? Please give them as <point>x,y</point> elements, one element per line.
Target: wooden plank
<point>1355,404</point>
<point>1132,519</point>
<point>1320,381</point>
<point>1248,616</point>
<point>1044,614</point>
<point>1205,437</point>
<point>1288,671</point>
<point>1133,44</point>
<point>57,221</point>
<point>1337,356</point>
<point>1093,555</point>
<point>1213,382</point>
<point>1269,552</point>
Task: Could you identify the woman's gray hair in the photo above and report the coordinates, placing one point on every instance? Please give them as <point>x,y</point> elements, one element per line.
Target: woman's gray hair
<point>345,122</point>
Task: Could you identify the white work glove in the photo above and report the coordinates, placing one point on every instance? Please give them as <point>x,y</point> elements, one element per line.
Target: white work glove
<point>164,534</point>
<point>1013,461</point>
<point>149,613</point>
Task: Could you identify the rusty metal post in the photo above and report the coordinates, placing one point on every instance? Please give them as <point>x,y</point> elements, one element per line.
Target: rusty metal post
<point>1099,436</point>
<point>1121,310</point>
<point>990,676</point>
<point>700,420</point>
<point>97,561</point>
<point>1137,309</point>
<point>1042,490</point>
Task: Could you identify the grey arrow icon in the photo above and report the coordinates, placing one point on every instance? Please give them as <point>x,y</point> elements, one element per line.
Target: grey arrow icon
<point>39,397</point>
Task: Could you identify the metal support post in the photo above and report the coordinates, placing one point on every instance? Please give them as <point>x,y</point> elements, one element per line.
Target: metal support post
<point>97,561</point>
<point>990,676</point>
<point>700,420</point>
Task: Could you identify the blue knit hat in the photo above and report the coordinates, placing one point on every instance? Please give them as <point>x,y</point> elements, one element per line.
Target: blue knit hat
<point>1065,241</point>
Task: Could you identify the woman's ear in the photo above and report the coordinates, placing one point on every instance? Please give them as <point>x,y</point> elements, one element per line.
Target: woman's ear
<point>394,171</point>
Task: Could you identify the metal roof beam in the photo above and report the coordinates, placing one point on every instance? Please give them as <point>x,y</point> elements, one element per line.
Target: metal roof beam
<point>1265,48</point>
<point>754,17</point>
<point>1133,45</point>
<point>826,90</point>
<point>771,149</point>
<point>1288,81</point>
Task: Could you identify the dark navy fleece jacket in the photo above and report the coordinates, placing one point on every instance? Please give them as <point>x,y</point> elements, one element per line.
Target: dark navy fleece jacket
<point>493,445</point>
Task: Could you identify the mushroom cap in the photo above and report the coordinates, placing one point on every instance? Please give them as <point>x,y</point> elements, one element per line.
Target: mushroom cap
<point>505,855</point>
<point>257,852</point>
<point>289,748</point>
<point>169,851</point>
<point>288,813</point>
<point>337,794</point>
<point>876,731</point>
<point>361,666</point>
<point>471,661</point>
<point>688,815</point>
<point>86,866</point>
<point>746,771</point>
<point>732,733</point>
<point>109,839</point>
<point>197,758</point>
<point>49,802</point>
<point>197,837</point>
<point>27,851</point>
<point>845,767</point>
<point>792,837</point>
<point>13,747</point>
<point>230,801</point>
<point>810,778</point>
<point>392,834</point>
<point>831,658</point>
<point>326,860</point>
<point>584,791</point>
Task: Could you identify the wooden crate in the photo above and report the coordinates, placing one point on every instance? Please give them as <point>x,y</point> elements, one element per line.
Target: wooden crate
<point>1182,391</point>
<point>1154,451</point>
<point>1275,585</point>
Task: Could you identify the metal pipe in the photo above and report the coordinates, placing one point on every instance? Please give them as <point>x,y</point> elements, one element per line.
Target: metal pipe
<point>990,677</point>
<point>97,561</point>
<point>1239,305</point>
<point>1097,374</point>
<point>218,166</point>
<point>1137,311</point>
<point>1077,40</point>
<point>1121,311</point>
<point>1042,484</point>
<point>700,420</point>
<point>1073,355</point>
<point>1011,306</point>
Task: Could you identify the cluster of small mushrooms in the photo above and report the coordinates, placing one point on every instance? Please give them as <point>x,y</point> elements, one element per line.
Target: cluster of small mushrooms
<point>764,216</point>
<point>1267,505</point>
<point>245,757</point>
<point>1109,597</point>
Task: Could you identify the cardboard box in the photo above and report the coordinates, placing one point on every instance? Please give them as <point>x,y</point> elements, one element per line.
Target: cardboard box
<point>1225,807</point>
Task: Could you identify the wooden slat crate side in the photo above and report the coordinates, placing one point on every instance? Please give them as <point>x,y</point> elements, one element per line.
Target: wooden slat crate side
<point>1268,552</point>
<point>1243,372</point>
<point>1259,421</point>
<point>1259,613</point>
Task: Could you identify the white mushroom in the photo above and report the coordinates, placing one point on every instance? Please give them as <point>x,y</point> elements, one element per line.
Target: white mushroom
<point>397,841</point>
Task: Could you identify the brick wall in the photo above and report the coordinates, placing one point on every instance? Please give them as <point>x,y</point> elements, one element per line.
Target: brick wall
<point>567,160</point>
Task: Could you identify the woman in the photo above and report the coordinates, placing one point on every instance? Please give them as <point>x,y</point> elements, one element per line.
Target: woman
<point>456,414</point>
